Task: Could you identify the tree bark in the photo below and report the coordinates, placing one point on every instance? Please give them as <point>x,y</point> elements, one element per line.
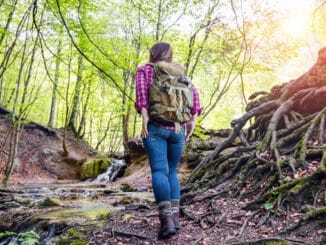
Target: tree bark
<point>72,123</point>
<point>55,85</point>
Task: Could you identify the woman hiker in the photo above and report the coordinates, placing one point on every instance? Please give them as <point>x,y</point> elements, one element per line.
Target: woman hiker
<point>163,141</point>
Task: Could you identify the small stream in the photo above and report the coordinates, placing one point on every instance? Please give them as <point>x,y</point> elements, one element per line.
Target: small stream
<point>112,172</point>
<point>50,209</point>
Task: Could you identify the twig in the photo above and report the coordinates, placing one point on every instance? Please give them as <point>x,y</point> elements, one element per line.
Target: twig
<point>271,239</point>
<point>246,222</point>
<point>315,197</point>
<point>129,234</point>
<point>211,229</point>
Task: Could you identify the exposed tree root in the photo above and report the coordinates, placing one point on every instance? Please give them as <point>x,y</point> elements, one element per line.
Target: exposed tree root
<point>281,157</point>
<point>317,216</point>
<point>272,240</point>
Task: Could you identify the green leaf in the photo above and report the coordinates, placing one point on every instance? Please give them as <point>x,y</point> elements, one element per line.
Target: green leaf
<point>7,233</point>
<point>268,206</point>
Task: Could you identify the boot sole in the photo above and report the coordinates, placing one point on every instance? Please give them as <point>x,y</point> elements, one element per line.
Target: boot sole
<point>166,234</point>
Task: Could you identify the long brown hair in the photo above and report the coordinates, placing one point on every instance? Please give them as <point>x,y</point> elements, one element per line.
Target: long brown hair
<point>158,51</point>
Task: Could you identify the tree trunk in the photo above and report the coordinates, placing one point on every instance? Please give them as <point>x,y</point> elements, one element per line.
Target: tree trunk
<point>159,20</point>
<point>5,30</point>
<point>55,85</point>
<point>72,124</point>
<point>14,138</point>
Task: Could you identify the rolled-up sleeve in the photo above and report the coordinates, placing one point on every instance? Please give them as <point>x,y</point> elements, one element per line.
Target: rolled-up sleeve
<point>196,105</point>
<point>143,79</point>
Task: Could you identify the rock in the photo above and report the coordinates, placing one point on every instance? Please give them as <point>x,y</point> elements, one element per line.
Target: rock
<point>136,147</point>
<point>93,168</point>
<point>49,202</point>
<point>8,205</point>
<point>127,188</point>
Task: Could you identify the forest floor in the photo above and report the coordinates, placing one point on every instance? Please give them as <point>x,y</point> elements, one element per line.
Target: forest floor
<point>227,223</point>
<point>206,220</point>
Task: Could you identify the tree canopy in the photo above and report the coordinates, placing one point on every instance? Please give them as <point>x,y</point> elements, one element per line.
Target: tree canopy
<point>66,63</point>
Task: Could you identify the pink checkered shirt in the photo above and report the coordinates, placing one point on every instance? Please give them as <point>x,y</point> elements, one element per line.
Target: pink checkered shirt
<point>144,79</point>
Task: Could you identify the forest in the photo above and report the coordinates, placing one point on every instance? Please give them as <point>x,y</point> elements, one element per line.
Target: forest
<point>67,112</point>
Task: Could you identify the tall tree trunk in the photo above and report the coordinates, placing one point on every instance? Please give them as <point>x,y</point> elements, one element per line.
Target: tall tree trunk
<point>55,85</point>
<point>126,113</point>
<point>5,30</point>
<point>8,52</point>
<point>72,124</point>
<point>81,128</point>
<point>64,145</point>
<point>14,138</point>
<point>159,20</point>
<point>1,89</point>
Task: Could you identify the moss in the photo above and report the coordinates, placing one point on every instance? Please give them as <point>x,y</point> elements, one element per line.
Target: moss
<point>49,202</point>
<point>266,140</point>
<point>74,233</point>
<point>126,188</point>
<point>94,168</point>
<point>276,242</point>
<point>104,215</point>
<point>82,212</point>
<point>77,242</point>
<point>199,131</point>
<point>92,223</point>
<point>198,173</point>
<point>316,212</point>
<point>127,200</point>
<point>323,163</point>
<point>72,236</point>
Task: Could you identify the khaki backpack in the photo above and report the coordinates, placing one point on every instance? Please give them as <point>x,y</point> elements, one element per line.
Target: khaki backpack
<point>170,94</point>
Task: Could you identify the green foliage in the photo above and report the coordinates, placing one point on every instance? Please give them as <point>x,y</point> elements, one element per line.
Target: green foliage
<point>114,38</point>
<point>199,130</point>
<point>7,233</point>
<point>269,207</point>
<point>28,237</point>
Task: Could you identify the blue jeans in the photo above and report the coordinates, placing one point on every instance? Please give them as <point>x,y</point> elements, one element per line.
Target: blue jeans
<point>164,149</point>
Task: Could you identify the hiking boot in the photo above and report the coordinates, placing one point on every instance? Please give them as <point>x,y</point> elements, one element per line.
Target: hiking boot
<point>175,206</point>
<point>167,226</point>
<point>175,216</point>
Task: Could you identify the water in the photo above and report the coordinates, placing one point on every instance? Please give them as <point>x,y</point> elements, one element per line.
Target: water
<point>112,172</point>
<point>79,204</point>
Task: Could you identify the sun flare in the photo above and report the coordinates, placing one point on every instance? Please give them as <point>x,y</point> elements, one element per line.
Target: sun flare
<point>298,17</point>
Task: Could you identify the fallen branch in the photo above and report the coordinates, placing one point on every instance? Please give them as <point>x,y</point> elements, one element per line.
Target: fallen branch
<point>128,234</point>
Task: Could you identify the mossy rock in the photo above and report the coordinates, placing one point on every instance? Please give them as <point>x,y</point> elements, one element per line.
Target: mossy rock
<point>127,188</point>
<point>93,168</point>
<point>49,202</point>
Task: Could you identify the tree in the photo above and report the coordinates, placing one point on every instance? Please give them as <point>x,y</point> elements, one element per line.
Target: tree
<point>55,85</point>
<point>20,100</point>
<point>281,159</point>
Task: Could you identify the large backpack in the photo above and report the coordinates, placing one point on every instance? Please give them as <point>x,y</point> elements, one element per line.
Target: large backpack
<point>170,94</point>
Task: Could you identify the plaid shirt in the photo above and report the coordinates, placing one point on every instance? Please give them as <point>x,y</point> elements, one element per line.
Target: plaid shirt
<point>144,79</point>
